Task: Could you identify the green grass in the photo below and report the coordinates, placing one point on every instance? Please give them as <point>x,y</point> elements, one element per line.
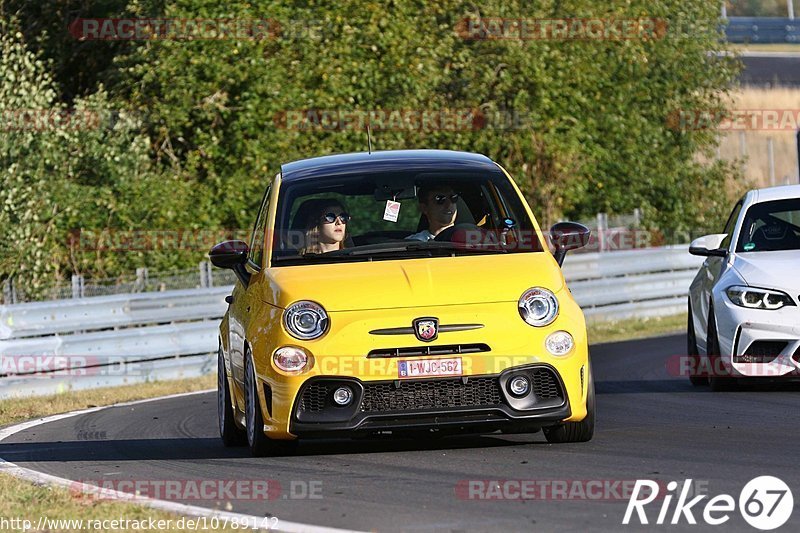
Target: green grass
<point>600,332</point>
<point>764,47</point>
<point>21,409</point>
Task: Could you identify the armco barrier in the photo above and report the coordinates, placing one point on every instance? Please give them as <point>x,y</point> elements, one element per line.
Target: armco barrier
<point>636,283</point>
<point>762,30</point>
<point>133,338</point>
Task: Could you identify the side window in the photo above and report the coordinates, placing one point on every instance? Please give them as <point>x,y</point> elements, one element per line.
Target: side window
<point>257,240</point>
<point>730,225</point>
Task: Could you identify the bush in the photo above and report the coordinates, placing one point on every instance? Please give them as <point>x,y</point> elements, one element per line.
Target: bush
<point>582,125</point>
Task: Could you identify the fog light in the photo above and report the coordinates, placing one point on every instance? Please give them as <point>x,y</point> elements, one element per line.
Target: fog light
<point>343,396</point>
<point>559,343</point>
<point>519,386</point>
<point>291,359</point>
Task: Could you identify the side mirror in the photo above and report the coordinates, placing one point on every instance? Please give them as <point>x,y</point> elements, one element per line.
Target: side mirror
<point>232,255</point>
<point>567,236</point>
<point>709,246</point>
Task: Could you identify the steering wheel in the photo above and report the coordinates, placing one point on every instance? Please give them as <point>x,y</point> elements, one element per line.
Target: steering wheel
<point>463,233</point>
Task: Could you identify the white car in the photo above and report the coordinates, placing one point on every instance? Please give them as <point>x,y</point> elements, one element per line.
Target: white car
<point>744,318</point>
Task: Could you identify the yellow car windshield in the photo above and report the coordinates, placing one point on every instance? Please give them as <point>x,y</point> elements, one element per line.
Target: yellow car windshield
<point>399,215</point>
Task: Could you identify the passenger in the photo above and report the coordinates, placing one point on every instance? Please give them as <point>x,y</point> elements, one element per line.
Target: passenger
<point>325,228</point>
<point>439,205</point>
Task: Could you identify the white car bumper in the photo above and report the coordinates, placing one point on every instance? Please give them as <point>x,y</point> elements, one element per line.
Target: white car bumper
<point>759,342</point>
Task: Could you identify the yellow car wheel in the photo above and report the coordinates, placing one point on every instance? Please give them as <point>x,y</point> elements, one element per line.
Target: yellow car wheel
<point>576,431</point>
<point>228,430</point>
<point>260,444</point>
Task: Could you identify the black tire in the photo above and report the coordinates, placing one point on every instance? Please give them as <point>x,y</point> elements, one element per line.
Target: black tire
<point>576,431</point>
<point>260,445</point>
<point>713,352</point>
<point>691,348</point>
<point>230,433</point>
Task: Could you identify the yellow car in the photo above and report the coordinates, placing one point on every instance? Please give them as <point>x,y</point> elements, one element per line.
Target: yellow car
<point>400,291</point>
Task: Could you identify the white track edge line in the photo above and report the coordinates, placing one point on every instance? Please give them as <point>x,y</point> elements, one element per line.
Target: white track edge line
<point>41,478</point>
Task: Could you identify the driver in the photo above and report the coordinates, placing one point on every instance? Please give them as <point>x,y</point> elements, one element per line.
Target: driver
<point>439,205</point>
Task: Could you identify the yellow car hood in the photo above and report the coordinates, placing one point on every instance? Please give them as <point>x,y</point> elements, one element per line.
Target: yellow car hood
<point>413,282</point>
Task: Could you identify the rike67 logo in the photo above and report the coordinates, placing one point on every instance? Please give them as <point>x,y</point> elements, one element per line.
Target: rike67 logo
<point>765,503</point>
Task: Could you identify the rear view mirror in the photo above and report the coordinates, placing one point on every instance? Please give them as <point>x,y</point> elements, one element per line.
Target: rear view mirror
<point>567,236</point>
<point>394,189</point>
<point>709,246</point>
<point>232,255</point>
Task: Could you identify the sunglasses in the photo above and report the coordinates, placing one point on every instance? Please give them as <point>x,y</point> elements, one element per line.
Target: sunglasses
<point>330,218</point>
<point>440,198</point>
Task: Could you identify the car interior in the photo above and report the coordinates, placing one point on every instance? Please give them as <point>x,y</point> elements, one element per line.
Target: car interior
<point>365,202</point>
<point>770,231</point>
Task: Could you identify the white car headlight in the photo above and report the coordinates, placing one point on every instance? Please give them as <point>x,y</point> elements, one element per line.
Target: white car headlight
<point>291,359</point>
<point>755,298</point>
<point>305,320</point>
<point>538,307</point>
<point>559,343</point>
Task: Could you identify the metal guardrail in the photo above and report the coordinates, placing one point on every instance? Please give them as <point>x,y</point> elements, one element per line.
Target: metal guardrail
<point>762,30</point>
<point>637,283</point>
<point>60,345</point>
<point>116,375</point>
<point>119,310</point>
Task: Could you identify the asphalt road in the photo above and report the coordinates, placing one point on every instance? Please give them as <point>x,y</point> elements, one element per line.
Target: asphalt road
<point>650,425</point>
<point>765,69</point>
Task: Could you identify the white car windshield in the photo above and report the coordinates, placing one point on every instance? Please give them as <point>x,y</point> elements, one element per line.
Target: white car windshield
<point>771,226</point>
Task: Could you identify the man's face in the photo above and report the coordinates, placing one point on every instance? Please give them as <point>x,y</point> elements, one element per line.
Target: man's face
<point>440,207</point>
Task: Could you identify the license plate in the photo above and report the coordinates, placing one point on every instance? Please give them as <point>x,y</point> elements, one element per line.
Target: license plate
<point>429,367</point>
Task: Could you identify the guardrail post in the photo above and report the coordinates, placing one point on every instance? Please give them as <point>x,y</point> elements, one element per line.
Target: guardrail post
<point>771,157</point>
<point>77,286</point>
<point>141,279</point>
<point>602,223</point>
<point>9,292</point>
<point>205,275</point>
